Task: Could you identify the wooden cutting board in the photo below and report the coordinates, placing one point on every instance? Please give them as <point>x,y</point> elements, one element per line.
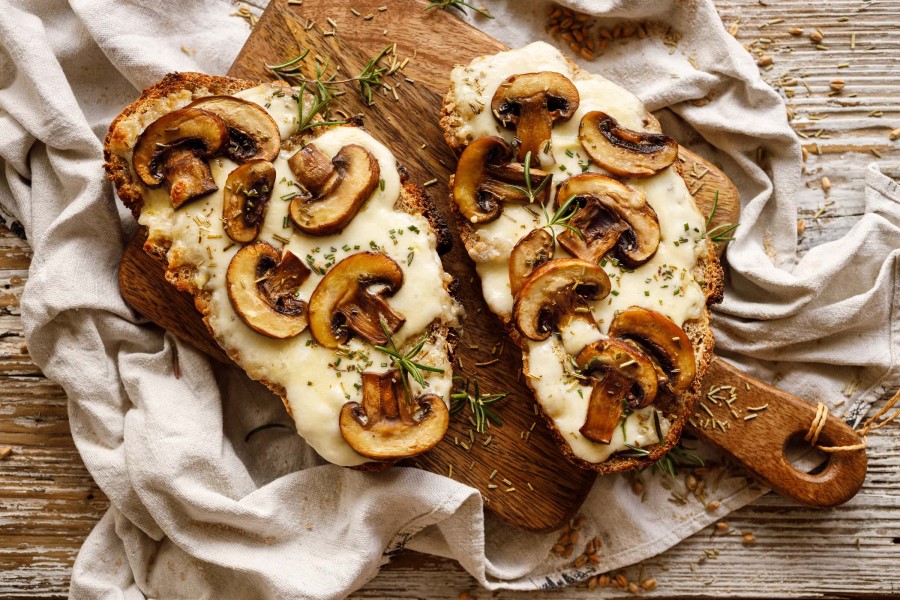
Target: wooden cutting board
<point>546,490</point>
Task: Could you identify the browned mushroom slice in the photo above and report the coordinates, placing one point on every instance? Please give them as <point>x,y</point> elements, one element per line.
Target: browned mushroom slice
<point>485,178</point>
<point>334,206</point>
<point>389,426</point>
<point>628,378</point>
<point>610,214</point>
<point>623,151</point>
<point>342,302</point>
<point>196,134</point>
<point>556,293</point>
<point>313,169</point>
<point>187,176</point>
<point>252,133</point>
<point>263,285</point>
<point>530,252</point>
<point>247,193</point>
<point>531,103</point>
<point>663,340</point>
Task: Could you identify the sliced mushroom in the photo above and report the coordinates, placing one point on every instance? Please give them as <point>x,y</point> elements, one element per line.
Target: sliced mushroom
<point>388,425</point>
<point>556,293</point>
<point>263,287</point>
<point>623,151</point>
<point>610,214</point>
<point>196,134</point>
<point>247,193</point>
<point>187,176</point>
<point>530,252</point>
<point>628,379</point>
<point>332,207</point>
<point>252,132</point>
<point>342,302</point>
<point>661,339</point>
<point>485,178</point>
<point>313,169</point>
<point>532,103</point>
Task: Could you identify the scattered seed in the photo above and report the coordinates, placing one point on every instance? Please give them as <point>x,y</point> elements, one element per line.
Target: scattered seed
<point>722,526</point>
<point>765,60</point>
<point>648,585</point>
<point>817,36</point>
<point>795,31</point>
<point>837,84</point>
<point>748,538</point>
<point>712,505</point>
<point>826,185</point>
<point>5,452</point>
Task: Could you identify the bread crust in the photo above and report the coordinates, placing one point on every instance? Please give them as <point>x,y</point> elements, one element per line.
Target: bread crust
<point>708,272</point>
<point>176,90</point>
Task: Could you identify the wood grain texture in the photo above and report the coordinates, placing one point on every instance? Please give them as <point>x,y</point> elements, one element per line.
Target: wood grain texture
<point>799,552</point>
<point>544,490</point>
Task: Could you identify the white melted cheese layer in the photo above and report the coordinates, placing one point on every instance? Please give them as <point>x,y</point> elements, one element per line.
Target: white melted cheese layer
<point>316,382</point>
<point>665,283</point>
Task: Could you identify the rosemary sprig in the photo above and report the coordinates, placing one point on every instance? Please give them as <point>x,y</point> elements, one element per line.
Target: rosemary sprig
<point>719,233</point>
<point>370,77</point>
<point>529,190</point>
<point>405,363</point>
<point>678,456</point>
<point>561,217</point>
<point>459,5</point>
<point>477,402</point>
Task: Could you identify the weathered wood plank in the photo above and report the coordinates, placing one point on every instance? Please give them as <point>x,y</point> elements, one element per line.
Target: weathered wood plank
<point>798,552</point>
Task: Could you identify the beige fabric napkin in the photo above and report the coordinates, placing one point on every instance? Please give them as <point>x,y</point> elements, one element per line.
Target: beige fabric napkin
<point>198,510</point>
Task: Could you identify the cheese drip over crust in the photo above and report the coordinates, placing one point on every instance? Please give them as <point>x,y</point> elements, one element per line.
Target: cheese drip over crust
<point>665,283</point>
<point>316,381</point>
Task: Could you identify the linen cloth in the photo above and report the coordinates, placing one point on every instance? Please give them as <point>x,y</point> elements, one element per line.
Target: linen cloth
<point>197,511</point>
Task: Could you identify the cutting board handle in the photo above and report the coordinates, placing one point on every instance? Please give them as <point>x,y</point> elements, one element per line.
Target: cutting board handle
<point>758,443</point>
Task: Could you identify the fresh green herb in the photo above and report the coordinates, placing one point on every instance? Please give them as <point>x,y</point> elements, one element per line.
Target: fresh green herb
<point>529,190</point>
<point>678,456</point>
<point>477,402</point>
<point>561,217</point>
<point>460,5</point>
<point>719,233</point>
<point>634,452</point>
<point>405,363</point>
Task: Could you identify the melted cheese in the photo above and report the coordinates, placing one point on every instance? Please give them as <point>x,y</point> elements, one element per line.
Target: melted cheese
<point>665,283</point>
<point>317,381</point>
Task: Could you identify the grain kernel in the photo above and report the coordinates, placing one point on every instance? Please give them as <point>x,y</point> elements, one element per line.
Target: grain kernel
<point>712,506</point>
<point>765,60</point>
<point>748,538</point>
<point>894,135</point>
<point>568,551</point>
<point>5,452</point>
<point>733,29</point>
<point>648,585</point>
<point>637,486</point>
<point>722,526</point>
<point>592,583</point>
<point>558,549</point>
<point>621,581</point>
<point>633,588</point>
<point>795,31</point>
<point>594,559</point>
<point>579,562</point>
<point>837,85</point>
<point>603,580</point>
<point>817,36</point>
<point>573,537</point>
<point>826,185</point>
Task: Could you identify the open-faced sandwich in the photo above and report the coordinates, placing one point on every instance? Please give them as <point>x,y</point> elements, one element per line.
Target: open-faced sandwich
<point>312,258</point>
<point>589,247</point>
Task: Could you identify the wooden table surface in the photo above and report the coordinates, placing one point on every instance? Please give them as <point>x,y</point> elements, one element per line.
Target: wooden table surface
<point>49,503</point>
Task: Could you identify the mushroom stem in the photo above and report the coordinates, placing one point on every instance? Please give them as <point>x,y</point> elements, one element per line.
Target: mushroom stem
<point>366,312</point>
<point>187,176</point>
<point>534,128</point>
<point>605,407</point>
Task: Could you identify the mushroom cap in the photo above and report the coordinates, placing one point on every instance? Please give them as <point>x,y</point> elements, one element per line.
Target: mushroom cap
<point>485,178</point>
<point>199,130</point>
<point>252,132</point>
<point>387,425</point>
<point>532,103</point>
<point>554,90</point>
<point>630,362</point>
<point>187,176</point>
<point>262,286</point>
<point>247,192</point>
<point>663,340</point>
<point>560,283</point>
<point>612,212</point>
<point>313,169</point>
<point>623,151</point>
<point>341,302</point>
<point>530,252</point>
<point>329,212</point>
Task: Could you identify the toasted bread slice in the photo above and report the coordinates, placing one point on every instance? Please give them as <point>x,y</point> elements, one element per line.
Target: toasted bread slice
<point>396,221</point>
<point>696,275</point>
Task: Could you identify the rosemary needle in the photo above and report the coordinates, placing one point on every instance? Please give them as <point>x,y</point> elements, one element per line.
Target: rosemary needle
<point>405,363</point>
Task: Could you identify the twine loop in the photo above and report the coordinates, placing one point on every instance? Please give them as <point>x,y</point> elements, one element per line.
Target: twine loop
<point>872,424</point>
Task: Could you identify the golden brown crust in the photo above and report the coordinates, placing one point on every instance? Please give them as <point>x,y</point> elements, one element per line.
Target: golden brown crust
<point>179,89</point>
<point>708,273</point>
